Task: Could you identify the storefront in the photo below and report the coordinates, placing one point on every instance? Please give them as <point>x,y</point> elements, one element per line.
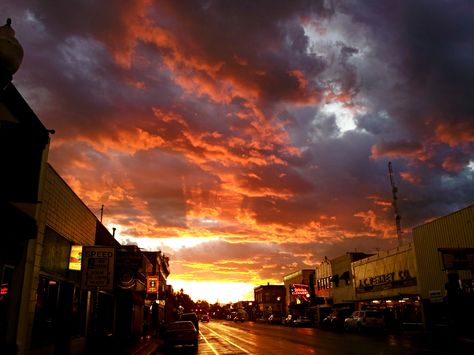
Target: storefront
<point>388,282</point>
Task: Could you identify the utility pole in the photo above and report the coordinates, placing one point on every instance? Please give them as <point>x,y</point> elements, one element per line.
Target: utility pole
<point>394,203</point>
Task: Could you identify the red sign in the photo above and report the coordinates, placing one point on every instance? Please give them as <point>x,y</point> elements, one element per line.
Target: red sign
<point>152,284</point>
<point>299,289</point>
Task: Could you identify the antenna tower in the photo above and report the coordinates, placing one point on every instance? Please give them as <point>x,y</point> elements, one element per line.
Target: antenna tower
<point>394,203</point>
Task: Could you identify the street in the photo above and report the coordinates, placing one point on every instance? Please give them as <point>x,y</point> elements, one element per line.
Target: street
<point>226,337</point>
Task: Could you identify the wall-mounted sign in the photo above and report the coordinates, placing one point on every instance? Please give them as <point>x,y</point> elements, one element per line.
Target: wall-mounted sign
<point>152,284</point>
<point>457,258</point>
<point>389,280</point>
<point>75,257</point>
<point>299,289</point>
<point>98,267</point>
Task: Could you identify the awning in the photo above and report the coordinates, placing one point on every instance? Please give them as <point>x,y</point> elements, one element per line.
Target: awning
<point>16,224</point>
<point>16,229</point>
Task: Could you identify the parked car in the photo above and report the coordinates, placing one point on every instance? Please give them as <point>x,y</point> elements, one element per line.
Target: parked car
<point>302,322</point>
<point>335,320</point>
<point>204,318</point>
<point>191,317</point>
<point>181,333</point>
<point>367,319</point>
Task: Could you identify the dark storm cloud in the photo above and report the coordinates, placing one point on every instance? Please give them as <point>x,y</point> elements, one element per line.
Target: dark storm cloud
<point>225,119</point>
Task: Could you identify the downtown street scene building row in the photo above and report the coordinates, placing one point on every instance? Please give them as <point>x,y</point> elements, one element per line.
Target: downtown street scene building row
<point>426,284</point>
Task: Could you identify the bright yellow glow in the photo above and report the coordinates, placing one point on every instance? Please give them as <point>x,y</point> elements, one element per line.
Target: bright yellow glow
<point>212,292</point>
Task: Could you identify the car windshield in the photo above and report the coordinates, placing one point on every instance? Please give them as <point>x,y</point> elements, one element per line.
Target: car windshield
<point>184,325</point>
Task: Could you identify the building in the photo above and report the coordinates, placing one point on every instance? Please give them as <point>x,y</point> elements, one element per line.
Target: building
<point>24,144</point>
<point>389,281</point>
<point>426,283</point>
<point>300,292</point>
<point>155,300</point>
<point>342,279</point>
<point>269,300</point>
<point>444,251</point>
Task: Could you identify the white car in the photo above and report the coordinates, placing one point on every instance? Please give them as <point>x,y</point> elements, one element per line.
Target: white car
<point>366,319</point>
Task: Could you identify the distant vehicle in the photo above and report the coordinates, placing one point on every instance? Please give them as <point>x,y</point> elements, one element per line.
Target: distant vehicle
<point>204,318</point>
<point>335,320</point>
<point>191,317</point>
<point>239,318</point>
<point>181,333</point>
<point>302,322</point>
<point>360,320</point>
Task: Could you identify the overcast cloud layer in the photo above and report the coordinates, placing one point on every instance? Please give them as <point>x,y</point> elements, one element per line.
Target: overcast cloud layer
<point>263,128</point>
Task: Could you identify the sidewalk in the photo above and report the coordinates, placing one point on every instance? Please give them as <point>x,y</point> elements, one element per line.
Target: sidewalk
<point>145,345</point>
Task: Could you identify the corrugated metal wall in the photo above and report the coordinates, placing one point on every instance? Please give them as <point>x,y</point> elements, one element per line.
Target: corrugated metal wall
<point>452,231</point>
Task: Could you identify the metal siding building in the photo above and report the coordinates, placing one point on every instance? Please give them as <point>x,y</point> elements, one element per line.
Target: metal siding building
<point>455,230</point>
<point>388,274</point>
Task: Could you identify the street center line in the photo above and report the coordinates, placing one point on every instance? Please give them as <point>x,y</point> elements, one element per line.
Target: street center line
<point>209,344</point>
<point>230,342</point>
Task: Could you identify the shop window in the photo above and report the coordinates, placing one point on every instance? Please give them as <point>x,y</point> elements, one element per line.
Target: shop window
<point>54,316</point>
<point>45,311</point>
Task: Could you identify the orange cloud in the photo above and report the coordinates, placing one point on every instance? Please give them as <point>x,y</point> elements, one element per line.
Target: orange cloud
<point>398,149</point>
<point>411,177</point>
<point>371,220</point>
<point>455,164</point>
<point>456,133</point>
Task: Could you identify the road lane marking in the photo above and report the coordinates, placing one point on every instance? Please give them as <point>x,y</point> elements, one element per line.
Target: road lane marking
<point>229,341</point>
<point>209,344</point>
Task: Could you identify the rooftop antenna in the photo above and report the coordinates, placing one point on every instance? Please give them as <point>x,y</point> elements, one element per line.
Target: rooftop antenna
<point>394,204</point>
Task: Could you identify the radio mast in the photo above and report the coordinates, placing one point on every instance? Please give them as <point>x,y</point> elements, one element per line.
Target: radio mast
<point>394,203</point>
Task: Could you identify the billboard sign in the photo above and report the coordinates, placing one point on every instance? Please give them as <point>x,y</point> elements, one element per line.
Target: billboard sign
<point>299,289</point>
<point>75,257</point>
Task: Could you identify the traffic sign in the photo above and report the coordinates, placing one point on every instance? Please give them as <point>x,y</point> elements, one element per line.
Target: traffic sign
<point>98,267</point>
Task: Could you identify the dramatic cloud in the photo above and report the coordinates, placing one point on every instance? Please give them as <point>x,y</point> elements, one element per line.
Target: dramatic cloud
<point>249,139</point>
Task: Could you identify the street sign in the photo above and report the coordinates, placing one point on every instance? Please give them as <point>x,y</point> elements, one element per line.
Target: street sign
<point>98,267</point>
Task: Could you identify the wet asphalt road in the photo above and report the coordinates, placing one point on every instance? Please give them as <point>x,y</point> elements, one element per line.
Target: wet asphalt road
<point>229,338</point>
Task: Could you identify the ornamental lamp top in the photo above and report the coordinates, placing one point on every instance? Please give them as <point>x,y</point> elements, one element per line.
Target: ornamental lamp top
<point>11,52</point>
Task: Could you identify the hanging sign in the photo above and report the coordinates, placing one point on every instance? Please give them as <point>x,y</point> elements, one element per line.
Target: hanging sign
<point>152,284</point>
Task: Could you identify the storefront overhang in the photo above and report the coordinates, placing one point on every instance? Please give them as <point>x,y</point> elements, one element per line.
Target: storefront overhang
<point>399,296</point>
<point>16,224</point>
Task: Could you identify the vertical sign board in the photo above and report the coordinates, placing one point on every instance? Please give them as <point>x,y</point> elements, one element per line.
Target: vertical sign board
<point>98,267</point>
<point>152,284</point>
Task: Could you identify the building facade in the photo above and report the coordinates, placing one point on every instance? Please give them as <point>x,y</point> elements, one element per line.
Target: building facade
<point>269,300</point>
<point>300,292</point>
<point>24,144</point>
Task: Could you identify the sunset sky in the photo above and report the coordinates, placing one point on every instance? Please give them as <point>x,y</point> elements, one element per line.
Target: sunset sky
<point>250,139</point>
